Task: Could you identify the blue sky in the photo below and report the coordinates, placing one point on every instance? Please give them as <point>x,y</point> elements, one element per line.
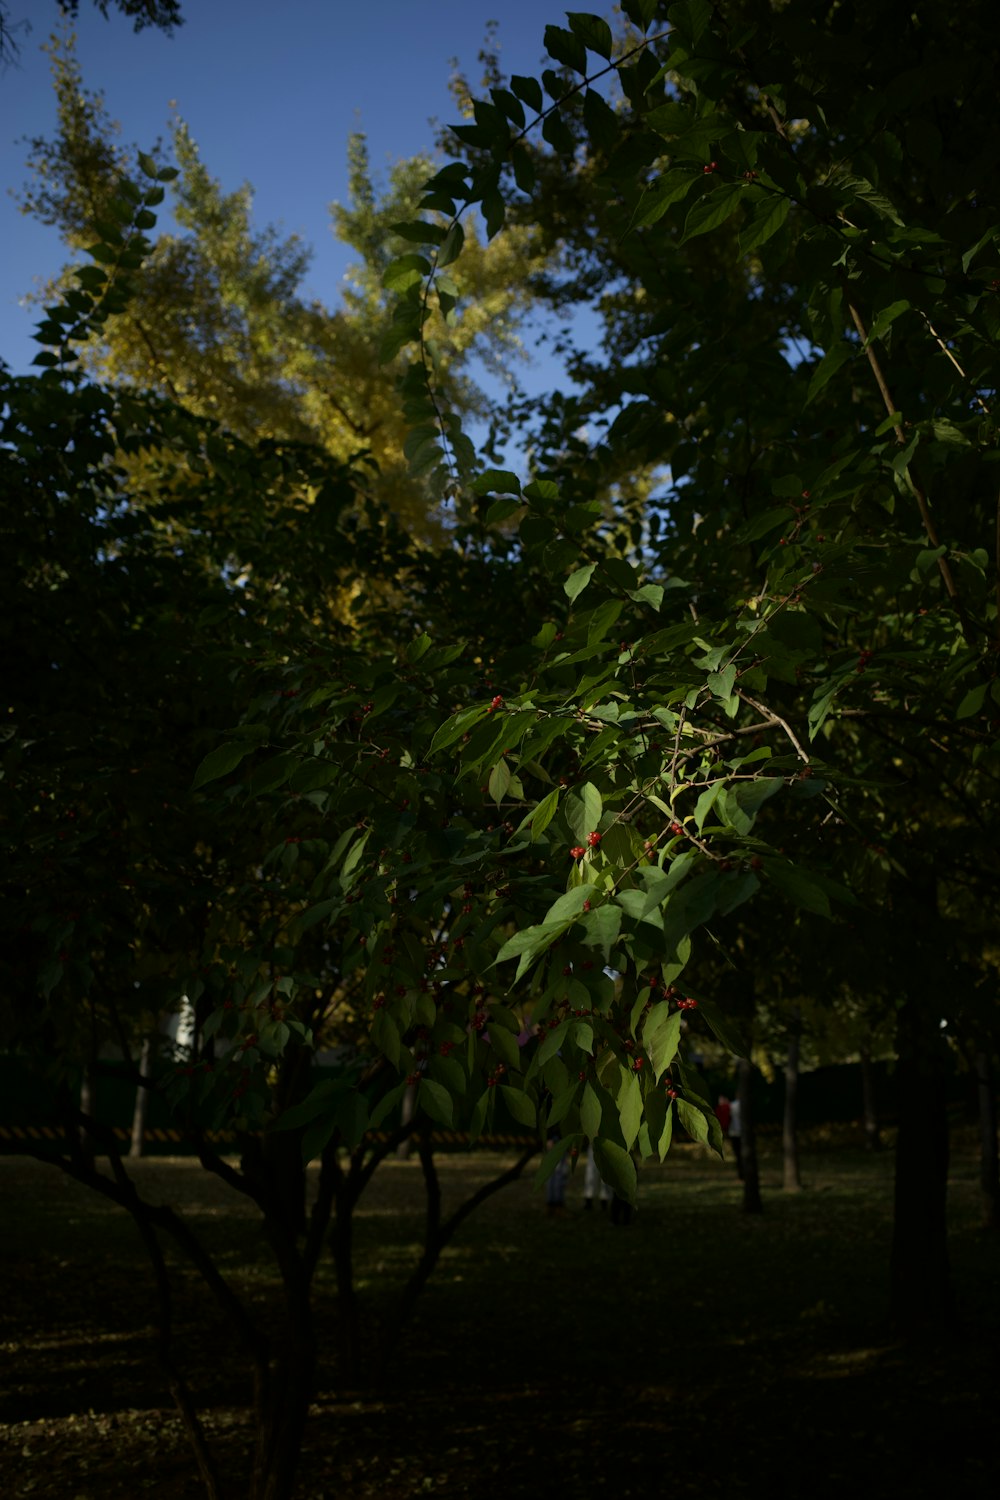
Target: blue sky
<point>270,94</point>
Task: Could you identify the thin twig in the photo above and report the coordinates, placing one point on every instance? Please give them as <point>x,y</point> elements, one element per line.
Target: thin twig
<point>677,747</point>
<point>919,495</point>
<point>774,718</point>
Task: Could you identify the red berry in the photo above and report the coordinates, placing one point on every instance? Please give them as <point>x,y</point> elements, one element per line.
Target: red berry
<point>497,703</point>
<point>593,839</point>
<point>578,851</point>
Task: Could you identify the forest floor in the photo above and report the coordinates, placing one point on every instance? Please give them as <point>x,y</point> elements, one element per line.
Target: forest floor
<point>697,1351</point>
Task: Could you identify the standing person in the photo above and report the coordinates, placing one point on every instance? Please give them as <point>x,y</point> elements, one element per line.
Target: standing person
<point>736,1136</point>
<point>594,1184</point>
<point>724,1113</point>
<point>555,1187</point>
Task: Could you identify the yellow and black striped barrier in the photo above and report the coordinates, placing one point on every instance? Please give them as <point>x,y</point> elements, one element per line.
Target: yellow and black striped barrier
<point>11,1134</point>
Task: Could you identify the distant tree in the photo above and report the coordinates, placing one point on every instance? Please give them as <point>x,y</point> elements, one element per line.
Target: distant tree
<point>219,322</point>
<point>165,15</point>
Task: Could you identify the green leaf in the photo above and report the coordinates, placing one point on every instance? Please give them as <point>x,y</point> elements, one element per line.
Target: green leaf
<point>558,135</point>
<point>886,318</point>
<point>457,726</point>
<point>502,510</point>
<point>318,1101</point>
<point>451,246</point>
<point>661,195</point>
<point>640,12</point>
<point>650,593</point>
<point>552,1043</point>
<point>662,1042</point>
<point>318,913</point>
<point>712,210</point>
<point>593,32</point>
<point>554,1155</point>
<point>768,219</point>
<point>505,1046</point>
<point>630,1109</point>
<point>706,802</point>
<point>602,925</point>
<point>405,271</point>
<point>499,783</point>
<point>600,121</point>
<point>666,1134</point>
<point>496,482</point>
<point>420,232</point>
<point>972,702</point>
<point>316,1138</point>
<point>617,1168</point>
<point>520,1106</point>
<point>723,1028</point>
<point>566,48</point>
<point>694,1121</point>
<point>529,90</point>
<point>543,814</point>
<point>524,170</point>
<point>435,1100</point>
<point>828,366</point>
<point>590,1112</point>
<point>387,1104</point>
<point>577,582</point>
<point>691,17</point>
<point>529,944</point>
<point>570,903</point>
<point>796,885</point>
<point>219,762</point>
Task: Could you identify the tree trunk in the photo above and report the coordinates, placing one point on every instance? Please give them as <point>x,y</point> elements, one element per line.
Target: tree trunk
<point>920,1283</point>
<point>279,1435</point>
<point>989,1166</point>
<point>408,1107</point>
<point>873,1141</point>
<point>751,1177</point>
<point>286,1177</point>
<point>437,1236</point>
<point>138,1142</point>
<point>88,1107</point>
<point>348,1312</point>
<point>791,1180</point>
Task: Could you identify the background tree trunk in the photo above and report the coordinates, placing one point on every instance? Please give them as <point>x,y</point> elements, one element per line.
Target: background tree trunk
<point>408,1106</point>
<point>88,1107</point>
<point>989,1163</point>
<point>920,1283</point>
<point>873,1140</point>
<point>751,1176</point>
<point>791,1180</point>
<point>138,1141</point>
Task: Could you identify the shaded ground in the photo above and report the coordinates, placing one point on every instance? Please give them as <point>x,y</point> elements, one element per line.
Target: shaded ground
<point>696,1352</point>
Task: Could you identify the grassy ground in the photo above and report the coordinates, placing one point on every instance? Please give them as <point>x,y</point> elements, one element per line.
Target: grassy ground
<point>695,1352</point>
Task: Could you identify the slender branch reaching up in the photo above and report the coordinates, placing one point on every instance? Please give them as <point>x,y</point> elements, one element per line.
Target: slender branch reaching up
<point>919,494</point>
